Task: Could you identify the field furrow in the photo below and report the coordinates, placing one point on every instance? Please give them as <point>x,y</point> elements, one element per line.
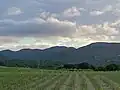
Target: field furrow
<point>95,80</point>
<point>109,84</point>
<point>32,79</point>
<point>32,84</point>
<point>57,85</point>
<point>44,85</point>
<point>77,81</point>
<point>88,82</point>
<point>71,83</point>
<point>83,83</point>
<point>66,83</point>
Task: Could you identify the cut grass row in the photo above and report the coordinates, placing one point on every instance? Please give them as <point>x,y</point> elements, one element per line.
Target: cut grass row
<point>57,80</point>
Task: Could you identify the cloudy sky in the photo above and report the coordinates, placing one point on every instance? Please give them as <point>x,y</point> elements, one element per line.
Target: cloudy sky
<point>47,23</point>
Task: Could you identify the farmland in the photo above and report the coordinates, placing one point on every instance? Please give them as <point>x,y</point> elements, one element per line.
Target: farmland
<point>37,79</point>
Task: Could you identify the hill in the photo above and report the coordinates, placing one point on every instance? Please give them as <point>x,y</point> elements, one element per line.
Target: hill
<point>95,53</point>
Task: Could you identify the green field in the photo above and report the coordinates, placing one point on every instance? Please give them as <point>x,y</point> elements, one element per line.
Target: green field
<point>36,79</point>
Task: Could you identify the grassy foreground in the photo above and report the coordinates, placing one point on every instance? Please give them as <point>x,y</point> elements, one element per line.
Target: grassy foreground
<point>36,79</point>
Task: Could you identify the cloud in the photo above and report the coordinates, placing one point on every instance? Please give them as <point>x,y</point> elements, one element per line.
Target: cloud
<point>7,39</point>
<point>45,15</point>
<point>51,26</point>
<point>72,12</point>
<point>103,32</point>
<point>96,13</point>
<point>38,27</point>
<point>14,11</point>
<point>107,8</point>
<point>73,23</point>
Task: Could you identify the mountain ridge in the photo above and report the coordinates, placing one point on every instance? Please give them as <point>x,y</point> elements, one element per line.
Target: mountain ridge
<point>94,53</point>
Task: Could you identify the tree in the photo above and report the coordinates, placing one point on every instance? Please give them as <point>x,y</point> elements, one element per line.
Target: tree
<point>69,66</point>
<point>112,67</point>
<point>83,66</point>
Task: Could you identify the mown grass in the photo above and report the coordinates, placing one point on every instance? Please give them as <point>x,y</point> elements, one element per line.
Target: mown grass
<point>40,79</point>
<point>113,75</point>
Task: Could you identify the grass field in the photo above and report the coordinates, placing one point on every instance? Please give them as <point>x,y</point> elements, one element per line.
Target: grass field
<point>35,79</point>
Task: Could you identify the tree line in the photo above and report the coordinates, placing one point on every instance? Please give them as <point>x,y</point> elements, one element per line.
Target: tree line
<point>110,67</point>
<point>43,64</point>
<point>49,64</point>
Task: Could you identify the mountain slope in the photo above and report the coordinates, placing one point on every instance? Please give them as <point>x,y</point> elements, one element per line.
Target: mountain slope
<point>95,53</point>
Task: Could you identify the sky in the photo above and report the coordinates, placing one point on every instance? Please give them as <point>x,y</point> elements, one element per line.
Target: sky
<point>45,23</point>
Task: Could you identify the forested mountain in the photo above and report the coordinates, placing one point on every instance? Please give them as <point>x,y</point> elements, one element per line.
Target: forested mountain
<point>95,53</point>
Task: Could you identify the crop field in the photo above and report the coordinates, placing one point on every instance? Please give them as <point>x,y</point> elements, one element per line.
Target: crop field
<point>36,79</point>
